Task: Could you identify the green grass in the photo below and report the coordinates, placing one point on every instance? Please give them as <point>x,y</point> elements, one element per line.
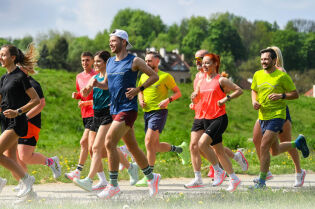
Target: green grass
<point>62,129</point>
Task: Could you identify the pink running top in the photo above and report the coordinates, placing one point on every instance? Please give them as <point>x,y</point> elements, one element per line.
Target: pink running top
<point>198,107</point>
<point>210,94</point>
<point>82,80</point>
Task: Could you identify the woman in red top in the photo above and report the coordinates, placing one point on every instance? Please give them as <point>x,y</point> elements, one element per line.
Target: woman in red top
<point>212,96</point>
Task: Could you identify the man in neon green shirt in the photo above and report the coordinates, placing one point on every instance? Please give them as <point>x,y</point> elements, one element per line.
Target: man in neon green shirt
<point>154,101</point>
<point>270,88</point>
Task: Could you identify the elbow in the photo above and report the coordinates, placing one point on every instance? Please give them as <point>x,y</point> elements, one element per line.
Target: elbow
<point>240,91</point>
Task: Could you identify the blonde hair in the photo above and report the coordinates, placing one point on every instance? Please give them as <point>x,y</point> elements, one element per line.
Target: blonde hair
<point>279,61</point>
<point>27,61</point>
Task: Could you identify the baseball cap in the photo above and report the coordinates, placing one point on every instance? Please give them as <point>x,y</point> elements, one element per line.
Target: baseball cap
<point>123,35</point>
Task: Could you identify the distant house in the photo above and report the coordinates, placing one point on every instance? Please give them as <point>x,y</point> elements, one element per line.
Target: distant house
<point>171,62</point>
<point>311,92</point>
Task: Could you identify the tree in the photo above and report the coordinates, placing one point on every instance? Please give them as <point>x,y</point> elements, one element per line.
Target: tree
<point>290,44</point>
<point>308,51</point>
<point>301,25</point>
<point>59,54</point>
<point>23,43</point>
<point>43,60</point>
<point>142,27</point>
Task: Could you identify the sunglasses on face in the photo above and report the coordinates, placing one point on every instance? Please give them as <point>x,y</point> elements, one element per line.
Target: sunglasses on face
<point>198,59</point>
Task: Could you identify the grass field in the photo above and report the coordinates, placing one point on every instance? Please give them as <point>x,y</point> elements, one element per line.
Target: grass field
<point>62,129</point>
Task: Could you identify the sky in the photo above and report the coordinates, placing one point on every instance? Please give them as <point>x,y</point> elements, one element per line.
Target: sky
<point>19,18</point>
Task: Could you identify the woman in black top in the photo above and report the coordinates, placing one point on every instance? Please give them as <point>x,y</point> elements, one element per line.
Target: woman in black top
<point>17,97</point>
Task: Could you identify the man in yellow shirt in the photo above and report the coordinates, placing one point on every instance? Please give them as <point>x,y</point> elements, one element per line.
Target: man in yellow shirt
<point>270,88</point>
<point>154,101</point>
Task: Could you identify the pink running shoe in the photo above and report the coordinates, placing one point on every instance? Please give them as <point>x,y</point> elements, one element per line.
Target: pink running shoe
<point>219,177</point>
<point>109,192</point>
<point>154,184</point>
<point>233,185</point>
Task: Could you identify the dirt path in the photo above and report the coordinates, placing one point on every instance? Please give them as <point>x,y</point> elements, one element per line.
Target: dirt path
<point>68,191</point>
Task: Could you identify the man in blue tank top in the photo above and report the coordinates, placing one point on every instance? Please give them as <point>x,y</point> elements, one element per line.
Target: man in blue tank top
<point>121,71</point>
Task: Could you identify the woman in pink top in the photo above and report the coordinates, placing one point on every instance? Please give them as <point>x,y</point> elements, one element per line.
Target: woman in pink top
<point>212,96</point>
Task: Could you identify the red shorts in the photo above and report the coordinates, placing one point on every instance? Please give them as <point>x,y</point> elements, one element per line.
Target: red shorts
<point>32,131</point>
<point>129,117</point>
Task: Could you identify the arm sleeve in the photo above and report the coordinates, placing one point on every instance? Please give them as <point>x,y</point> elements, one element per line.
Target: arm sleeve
<point>170,82</point>
<point>26,82</point>
<point>254,83</point>
<point>288,83</point>
<point>78,90</point>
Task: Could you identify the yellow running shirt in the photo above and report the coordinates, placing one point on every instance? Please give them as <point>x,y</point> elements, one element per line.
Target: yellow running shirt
<point>157,92</point>
<point>265,84</point>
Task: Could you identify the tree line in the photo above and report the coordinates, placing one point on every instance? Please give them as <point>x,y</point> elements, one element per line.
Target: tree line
<point>236,39</point>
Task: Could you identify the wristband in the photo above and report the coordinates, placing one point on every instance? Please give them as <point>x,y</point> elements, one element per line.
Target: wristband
<point>142,88</point>
<point>284,96</point>
<point>228,97</point>
<point>170,99</point>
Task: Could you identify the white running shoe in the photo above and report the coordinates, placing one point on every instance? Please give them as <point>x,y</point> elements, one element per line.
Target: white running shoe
<point>85,184</point>
<point>109,192</point>
<point>299,178</point>
<point>154,184</point>
<point>27,198</point>
<point>55,167</point>
<point>234,183</point>
<point>133,173</point>
<point>268,177</point>
<point>219,177</point>
<point>241,160</point>
<point>195,183</point>
<point>73,174</point>
<point>27,185</point>
<point>99,186</point>
<point>17,187</point>
<point>3,182</point>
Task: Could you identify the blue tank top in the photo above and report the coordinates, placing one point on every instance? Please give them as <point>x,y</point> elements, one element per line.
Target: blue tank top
<point>120,77</point>
<point>101,98</point>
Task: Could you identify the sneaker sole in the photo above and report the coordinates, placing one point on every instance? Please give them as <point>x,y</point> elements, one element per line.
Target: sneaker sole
<point>232,190</point>
<point>244,158</point>
<point>99,188</point>
<point>157,185</point>
<point>303,177</point>
<point>109,197</point>
<point>194,187</point>
<point>69,178</point>
<point>79,185</point>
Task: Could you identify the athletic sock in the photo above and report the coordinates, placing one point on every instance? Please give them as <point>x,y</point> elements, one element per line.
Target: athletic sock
<point>262,177</point>
<point>216,167</point>
<point>176,149</point>
<point>293,144</point>
<point>101,176</point>
<point>80,167</point>
<point>148,173</point>
<point>198,175</point>
<point>49,161</point>
<point>25,177</point>
<point>113,178</point>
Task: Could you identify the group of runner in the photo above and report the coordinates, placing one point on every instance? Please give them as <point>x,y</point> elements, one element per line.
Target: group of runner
<point>107,97</point>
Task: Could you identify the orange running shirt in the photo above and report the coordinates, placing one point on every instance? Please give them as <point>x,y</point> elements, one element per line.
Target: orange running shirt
<point>210,94</point>
<point>197,107</point>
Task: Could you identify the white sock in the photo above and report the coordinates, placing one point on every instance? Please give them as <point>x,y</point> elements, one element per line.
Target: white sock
<point>101,176</point>
<point>236,157</point>
<point>233,176</point>
<point>216,167</point>
<point>198,175</point>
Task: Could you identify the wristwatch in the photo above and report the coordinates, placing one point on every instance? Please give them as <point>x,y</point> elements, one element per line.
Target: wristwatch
<point>20,112</point>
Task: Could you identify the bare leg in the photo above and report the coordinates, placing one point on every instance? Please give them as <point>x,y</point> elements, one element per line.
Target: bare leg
<point>229,152</point>
<point>194,149</point>
<point>84,142</point>
<point>257,137</point>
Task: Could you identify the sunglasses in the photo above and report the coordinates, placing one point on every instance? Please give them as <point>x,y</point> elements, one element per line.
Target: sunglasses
<point>198,59</point>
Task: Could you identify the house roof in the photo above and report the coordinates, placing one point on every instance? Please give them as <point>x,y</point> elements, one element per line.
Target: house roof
<point>309,93</point>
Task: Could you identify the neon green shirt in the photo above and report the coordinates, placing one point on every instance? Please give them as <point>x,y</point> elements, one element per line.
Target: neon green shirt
<point>157,92</point>
<point>265,84</point>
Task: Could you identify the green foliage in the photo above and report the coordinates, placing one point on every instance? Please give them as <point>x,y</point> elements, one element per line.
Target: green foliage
<point>3,41</point>
<point>23,43</point>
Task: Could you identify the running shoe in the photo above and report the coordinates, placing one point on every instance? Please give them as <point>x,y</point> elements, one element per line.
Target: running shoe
<point>27,198</point>
<point>234,183</point>
<point>133,173</point>
<point>85,183</point>
<point>211,172</point>
<point>268,177</point>
<point>99,186</point>
<point>184,155</point>
<point>154,184</point>
<point>142,182</point>
<point>302,145</point>
<point>219,177</point>
<point>72,175</point>
<point>258,185</point>
<point>109,192</point>
<point>299,179</point>
<point>241,160</point>
<point>27,185</point>
<point>55,167</point>
<point>194,184</point>
<point>3,182</point>
<point>17,187</point>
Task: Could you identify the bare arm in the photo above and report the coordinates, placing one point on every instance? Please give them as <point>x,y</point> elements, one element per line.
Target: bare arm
<point>255,103</point>
<point>88,88</point>
<point>139,64</point>
<point>101,85</point>
<point>141,99</point>
<point>228,85</point>
<point>176,94</point>
<point>37,109</point>
<point>32,103</point>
